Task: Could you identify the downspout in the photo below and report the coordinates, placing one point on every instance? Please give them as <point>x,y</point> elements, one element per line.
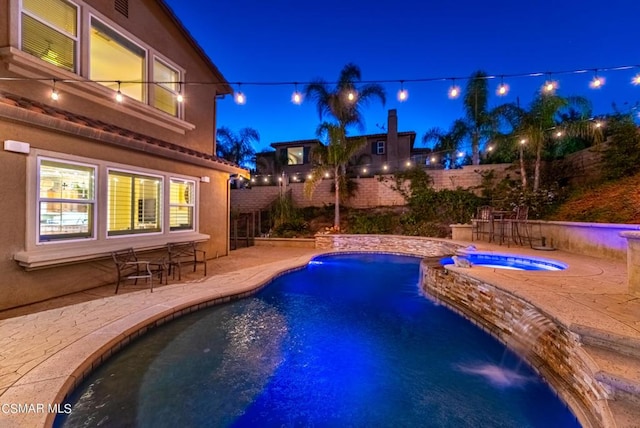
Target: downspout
<point>228,232</point>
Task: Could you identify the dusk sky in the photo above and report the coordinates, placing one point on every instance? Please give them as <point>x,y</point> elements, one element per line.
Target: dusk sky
<point>298,41</point>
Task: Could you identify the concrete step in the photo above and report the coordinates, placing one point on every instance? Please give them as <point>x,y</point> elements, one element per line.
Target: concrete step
<point>625,345</point>
<point>621,372</point>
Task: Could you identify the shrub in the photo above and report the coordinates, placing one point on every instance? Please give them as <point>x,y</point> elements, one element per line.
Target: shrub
<point>371,222</point>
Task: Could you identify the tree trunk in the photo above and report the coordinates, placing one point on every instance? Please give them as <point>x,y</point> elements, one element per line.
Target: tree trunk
<point>336,217</point>
<point>475,149</point>
<point>523,171</point>
<point>536,171</point>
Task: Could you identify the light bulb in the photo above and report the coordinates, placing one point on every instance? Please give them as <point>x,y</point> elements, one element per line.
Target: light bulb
<point>403,95</point>
<point>636,79</point>
<point>179,98</point>
<point>597,82</point>
<point>119,96</point>
<point>503,89</point>
<point>55,96</point>
<point>351,96</point>
<point>550,86</point>
<point>454,92</point>
<point>296,97</point>
<point>240,98</point>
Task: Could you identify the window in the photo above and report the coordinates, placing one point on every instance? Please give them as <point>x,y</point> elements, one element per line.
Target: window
<point>66,200</point>
<point>181,204</point>
<point>114,58</point>
<point>295,156</point>
<point>50,31</point>
<point>166,91</point>
<point>379,147</point>
<point>133,204</point>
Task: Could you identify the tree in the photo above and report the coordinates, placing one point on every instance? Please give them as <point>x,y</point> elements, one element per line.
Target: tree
<point>331,159</point>
<point>345,100</point>
<point>537,127</point>
<point>236,148</point>
<point>447,141</point>
<point>480,122</point>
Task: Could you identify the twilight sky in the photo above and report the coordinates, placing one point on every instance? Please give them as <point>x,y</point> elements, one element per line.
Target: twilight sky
<point>299,40</point>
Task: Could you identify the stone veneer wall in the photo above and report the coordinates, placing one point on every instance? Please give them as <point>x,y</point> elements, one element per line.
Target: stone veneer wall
<point>387,243</point>
<point>557,354</point>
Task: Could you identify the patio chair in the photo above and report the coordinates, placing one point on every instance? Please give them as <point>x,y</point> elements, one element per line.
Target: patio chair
<point>129,267</point>
<point>482,223</point>
<point>185,253</point>
<point>519,225</point>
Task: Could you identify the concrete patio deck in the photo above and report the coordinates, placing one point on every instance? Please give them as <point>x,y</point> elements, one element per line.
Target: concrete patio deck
<point>47,348</point>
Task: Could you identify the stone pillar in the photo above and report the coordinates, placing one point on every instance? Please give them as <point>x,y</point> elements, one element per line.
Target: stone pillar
<point>633,261</point>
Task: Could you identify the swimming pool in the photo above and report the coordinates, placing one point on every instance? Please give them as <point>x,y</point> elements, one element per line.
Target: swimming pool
<point>347,341</point>
<point>507,261</point>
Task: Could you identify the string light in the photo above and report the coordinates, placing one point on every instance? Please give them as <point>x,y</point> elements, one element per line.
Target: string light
<point>597,82</point>
<point>454,91</point>
<point>180,97</point>
<point>239,96</point>
<point>403,94</point>
<point>351,95</point>
<point>119,96</point>
<point>503,88</point>
<point>296,97</point>
<point>550,86</point>
<point>55,96</point>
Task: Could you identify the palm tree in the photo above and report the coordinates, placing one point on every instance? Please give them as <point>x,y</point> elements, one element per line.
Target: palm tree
<point>345,100</point>
<point>536,127</point>
<point>448,141</point>
<point>480,122</point>
<point>236,148</point>
<point>331,159</point>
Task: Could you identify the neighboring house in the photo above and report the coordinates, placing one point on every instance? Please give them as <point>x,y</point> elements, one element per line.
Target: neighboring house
<point>85,175</point>
<point>381,154</point>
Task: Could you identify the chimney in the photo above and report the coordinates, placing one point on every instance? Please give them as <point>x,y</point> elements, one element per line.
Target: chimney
<point>392,139</point>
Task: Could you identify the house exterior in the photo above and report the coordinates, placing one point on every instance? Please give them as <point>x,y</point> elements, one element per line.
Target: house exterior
<point>382,153</point>
<point>86,174</point>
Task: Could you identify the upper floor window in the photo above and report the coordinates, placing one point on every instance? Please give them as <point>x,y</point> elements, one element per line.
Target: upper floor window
<point>50,31</point>
<point>379,147</point>
<point>66,200</point>
<point>114,58</point>
<point>167,87</point>
<point>59,32</point>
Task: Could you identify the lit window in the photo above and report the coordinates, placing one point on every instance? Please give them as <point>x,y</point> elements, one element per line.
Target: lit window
<point>114,58</point>
<point>66,200</point>
<point>165,94</point>
<point>295,156</point>
<point>181,204</point>
<point>133,203</point>
<point>379,147</point>
<point>50,31</point>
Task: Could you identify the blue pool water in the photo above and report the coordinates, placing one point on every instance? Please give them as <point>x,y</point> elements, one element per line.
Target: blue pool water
<point>347,341</point>
<point>508,261</point>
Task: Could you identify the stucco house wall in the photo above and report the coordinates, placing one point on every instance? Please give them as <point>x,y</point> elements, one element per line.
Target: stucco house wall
<point>87,126</point>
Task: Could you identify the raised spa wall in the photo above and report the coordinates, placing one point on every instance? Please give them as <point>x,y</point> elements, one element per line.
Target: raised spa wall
<point>606,240</point>
<point>556,353</point>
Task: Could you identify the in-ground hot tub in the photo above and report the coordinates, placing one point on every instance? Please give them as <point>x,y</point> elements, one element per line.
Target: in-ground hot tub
<point>503,261</point>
